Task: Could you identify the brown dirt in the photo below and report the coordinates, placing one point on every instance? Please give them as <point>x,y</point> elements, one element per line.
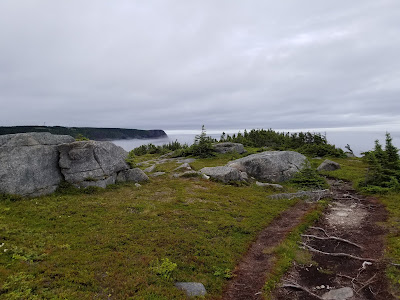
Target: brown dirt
<point>356,218</point>
<point>250,274</point>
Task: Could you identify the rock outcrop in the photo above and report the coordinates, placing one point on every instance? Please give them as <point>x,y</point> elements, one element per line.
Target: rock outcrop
<point>34,164</point>
<point>224,174</point>
<point>29,163</point>
<point>91,163</point>
<point>328,165</point>
<point>229,148</point>
<point>273,166</point>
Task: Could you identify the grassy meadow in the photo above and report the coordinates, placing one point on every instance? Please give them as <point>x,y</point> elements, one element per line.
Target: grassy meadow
<point>130,242</point>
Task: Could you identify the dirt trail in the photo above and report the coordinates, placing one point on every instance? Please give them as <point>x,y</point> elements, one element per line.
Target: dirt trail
<point>251,272</point>
<point>355,218</point>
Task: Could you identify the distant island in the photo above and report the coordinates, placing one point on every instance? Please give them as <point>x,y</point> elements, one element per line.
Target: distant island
<point>97,134</point>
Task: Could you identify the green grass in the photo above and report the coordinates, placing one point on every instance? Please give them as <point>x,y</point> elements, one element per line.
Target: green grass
<point>352,169</point>
<point>112,243</point>
<point>392,253</point>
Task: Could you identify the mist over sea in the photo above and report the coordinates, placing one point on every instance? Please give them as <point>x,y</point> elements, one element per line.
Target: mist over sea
<point>359,141</point>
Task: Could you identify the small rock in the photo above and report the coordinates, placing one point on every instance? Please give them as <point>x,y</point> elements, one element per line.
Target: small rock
<point>276,186</point>
<point>150,169</point>
<point>185,166</point>
<point>157,174</point>
<point>132,175</point>
<point>229,148</point>
<point>328,165</point>
<point>192,289</point>
<point>138,185</point>
<point>338,294</point>
<point>224,174</point>
<point>186,174</point>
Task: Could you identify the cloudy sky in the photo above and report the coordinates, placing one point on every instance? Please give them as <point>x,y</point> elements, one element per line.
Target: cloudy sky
<point>178,64</point>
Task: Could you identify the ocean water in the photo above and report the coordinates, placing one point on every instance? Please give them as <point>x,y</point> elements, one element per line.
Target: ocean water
<point>359,141</point>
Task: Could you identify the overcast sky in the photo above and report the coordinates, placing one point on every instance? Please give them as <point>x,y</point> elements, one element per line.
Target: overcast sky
<point>180,64</point>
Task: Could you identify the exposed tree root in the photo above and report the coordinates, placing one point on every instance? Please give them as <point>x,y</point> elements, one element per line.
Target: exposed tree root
<point>336,254</point>
<point>299,287</point>
<point>332,238</point>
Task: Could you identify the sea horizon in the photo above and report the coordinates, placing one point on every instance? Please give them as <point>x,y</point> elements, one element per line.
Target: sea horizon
<point>359,139</point>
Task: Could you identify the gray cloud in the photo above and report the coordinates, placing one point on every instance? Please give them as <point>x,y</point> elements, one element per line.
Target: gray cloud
<point>178,64</point>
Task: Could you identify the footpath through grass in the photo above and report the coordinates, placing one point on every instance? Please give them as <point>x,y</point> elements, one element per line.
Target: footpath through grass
<point>354,170</point>
<point>124,242</point>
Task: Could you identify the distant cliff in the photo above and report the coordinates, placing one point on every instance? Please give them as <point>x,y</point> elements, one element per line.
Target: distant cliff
<point>97,134</point>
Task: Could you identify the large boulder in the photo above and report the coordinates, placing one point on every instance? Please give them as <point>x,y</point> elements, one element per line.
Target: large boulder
<point>29,163</point>
<point>229,147</point>
<point>91,163</point>
<point>224,174</point>
<point>328,165</point>
<point>273,166</point>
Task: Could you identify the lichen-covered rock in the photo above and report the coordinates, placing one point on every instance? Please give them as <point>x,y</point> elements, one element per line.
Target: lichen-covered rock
<point>328,165</point>
<point>224,174</point>
<point>132,175</point>
<point>91,163</point>
<point>229,148</point>
<point>273,166</point>
<point>29,163</point>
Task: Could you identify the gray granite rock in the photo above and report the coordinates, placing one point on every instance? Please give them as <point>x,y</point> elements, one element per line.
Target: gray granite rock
<point>273,166</point>
<point>244,176</point>
<point>273,185</point>
<point>156,174</point>
<point>224,174</point>
<point>328,165</point>
<point>29,163</point>
<point>184,166</point>
<point>339,294</point>
<point>229,148</point>
<point>132,175</point>
<point>90,161</point>
<point>187,174</point>
<point>192,289</point>
<point>150,169</point>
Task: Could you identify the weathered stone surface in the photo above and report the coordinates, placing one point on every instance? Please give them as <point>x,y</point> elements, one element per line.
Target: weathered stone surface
<point>192,289</point>
<point>274,166</point>
<point>187,174</point>
<point>91,163</point>
<point>29,163</point>
<point>132,175</point>
<point>150,169</point>
<point>224,174</point>
<point>229,147</point>
<point>184,166</point>
<point>156,174</point>
<point>244,176</point>
<point>339,294</point>
<point>273,185</point>
<point>328,165</point>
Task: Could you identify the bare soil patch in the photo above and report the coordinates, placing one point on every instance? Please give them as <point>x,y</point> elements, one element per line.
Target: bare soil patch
<point>355,218</point>
<point>250,274</point>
